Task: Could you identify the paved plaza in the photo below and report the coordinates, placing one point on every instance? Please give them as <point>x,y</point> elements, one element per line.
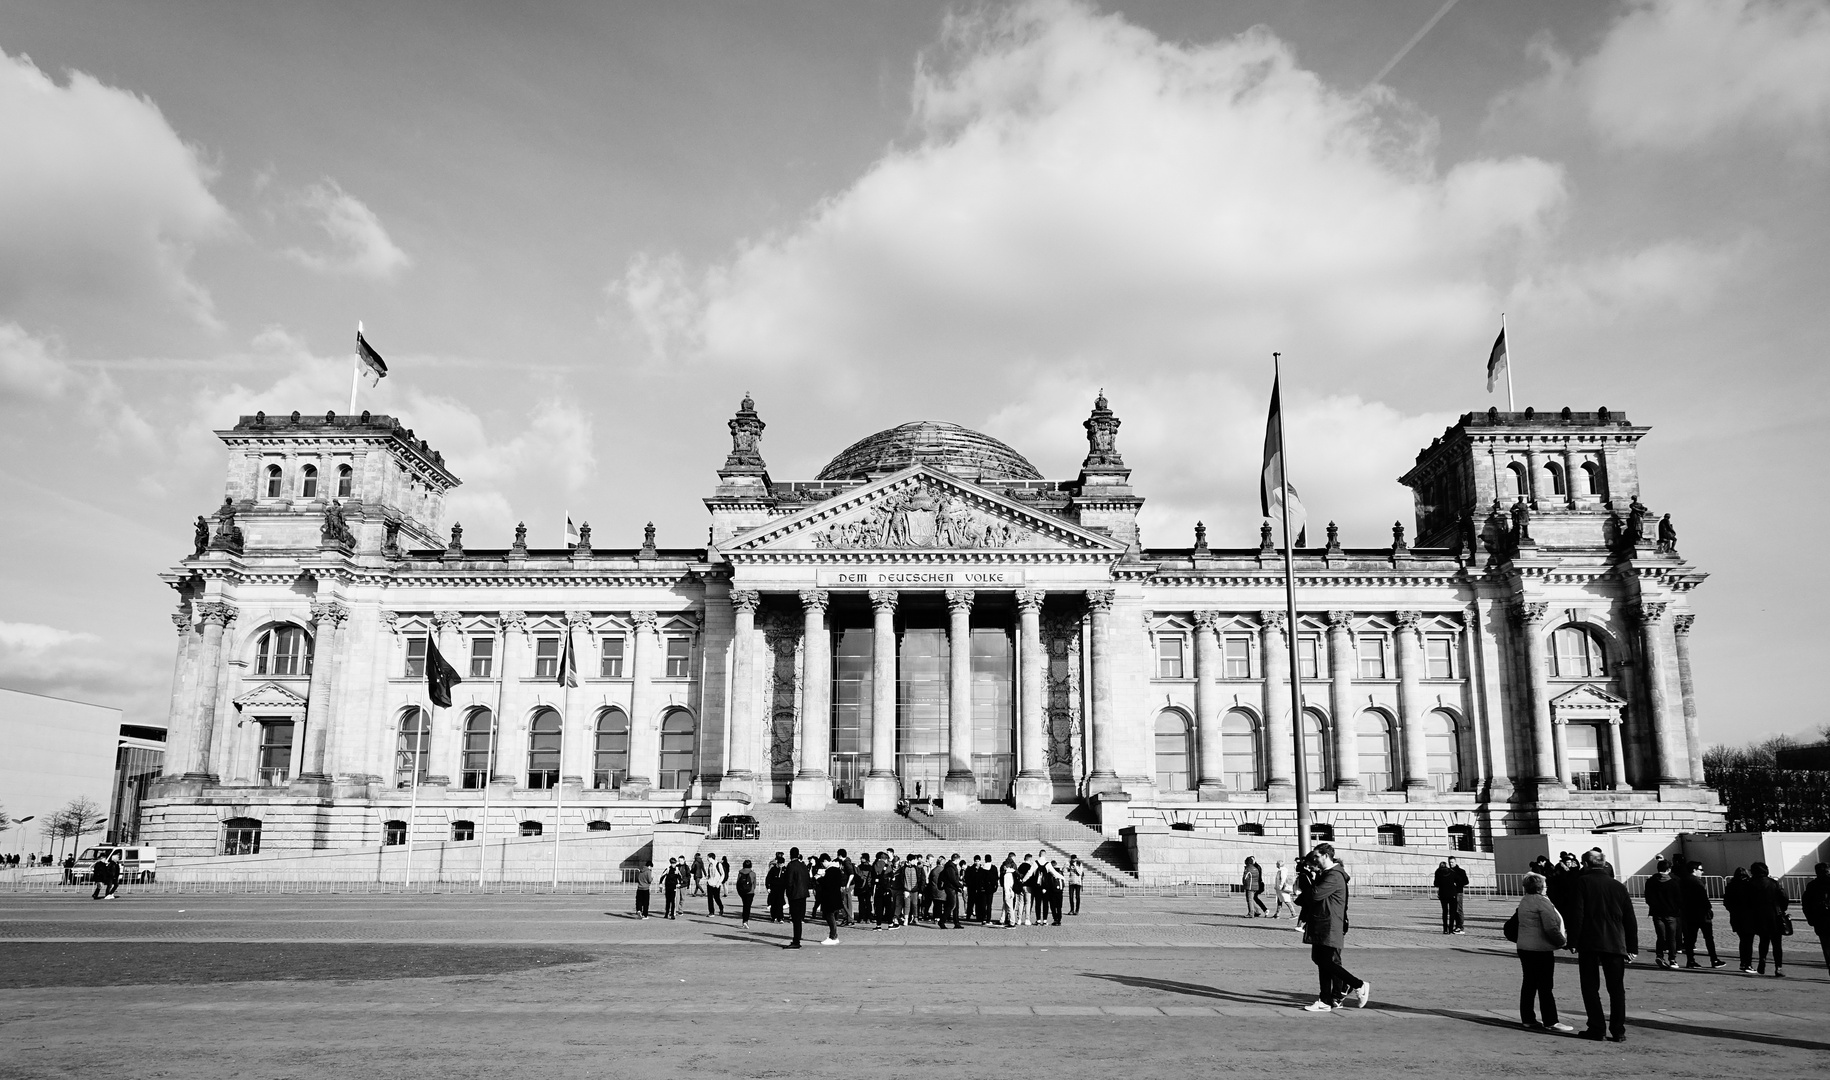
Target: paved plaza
<point>567,985</point>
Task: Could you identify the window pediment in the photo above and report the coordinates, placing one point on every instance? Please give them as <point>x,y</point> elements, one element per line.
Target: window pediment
<point>270,696</point>
<point>1586,702</point>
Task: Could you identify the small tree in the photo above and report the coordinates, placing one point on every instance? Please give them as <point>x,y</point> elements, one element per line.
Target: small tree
<point>80,815</point>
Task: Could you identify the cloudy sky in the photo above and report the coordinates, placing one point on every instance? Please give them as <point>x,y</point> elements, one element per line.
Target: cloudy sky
<point>580,232</point>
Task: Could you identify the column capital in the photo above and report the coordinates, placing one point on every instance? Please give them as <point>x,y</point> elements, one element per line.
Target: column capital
<point>181,621</point>
<point>959,600</point>
<point>577,620</point>
<point>1206,620</point>
<point>884,600</point>
<point>333,613</point>
<point>1680,624</point>
<point>513,620</point>
<point>446,620</point>
<point>1101,599</point>
<point>643,620</point>
<point>1651,612</point>
<point>1271,620</point>
<point>1030,599</point>
<point>1409,621</point>
<point>746,600</point>
<point>220,614</point>
<point>1340,620</point>
<point>1529,613</point>
<point>815,599</point>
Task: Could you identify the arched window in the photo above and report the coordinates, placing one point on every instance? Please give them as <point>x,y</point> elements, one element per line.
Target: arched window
<point>1391,835</point>
<point>1250,828</point>
<point>1315,751</point>
<point>1461,837</point>
<point>413,748</point>
<point>241,836</point>
<point>1373,738</point>
<point>1172,751</point>
<point>532,828</point>
<point>1239,750</point>
<point>1591,479</point>
<point>1520,488</point>
<point>678,735</point>
<point>308,482</point>
<point>1576,654</point>
<point>393,833</point>
<point>543,738</point>
<point>276,487</point>
<point>462,831</point>
<point>1442,750</point>
<point>1582,749</point>
<point>1555,472</point>
<point>600,825</point>
<point>1321,833</point>
<point>610,759</point>
<point>479,748</point>
<point>346,481</point>
<point>283,650</point>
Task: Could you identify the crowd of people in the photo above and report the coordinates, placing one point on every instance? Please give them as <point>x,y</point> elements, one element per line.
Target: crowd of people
<point>882,891</point>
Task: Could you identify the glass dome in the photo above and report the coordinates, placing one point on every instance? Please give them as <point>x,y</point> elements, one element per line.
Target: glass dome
<point>957,450</point>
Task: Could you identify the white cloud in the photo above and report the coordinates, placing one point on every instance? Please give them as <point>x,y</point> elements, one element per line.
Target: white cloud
<point>28,369</point>
<point>37,638</point>
<point>1675,73</point>
<point>99,198</point>
<point>33,371</point>
<point>359,245</point>
<point>1607,288</point>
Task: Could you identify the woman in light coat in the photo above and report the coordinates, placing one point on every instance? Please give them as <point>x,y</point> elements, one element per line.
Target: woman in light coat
<point>1251,883</point>
<point>1540,936</point>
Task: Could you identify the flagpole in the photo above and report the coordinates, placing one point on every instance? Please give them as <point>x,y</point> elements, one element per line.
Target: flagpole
<point>489,771</point>
<point>1509,405</point>
<point>559,793</point>
<point>1304,819</point>
<point>355,374</point>
<point>419,739</point>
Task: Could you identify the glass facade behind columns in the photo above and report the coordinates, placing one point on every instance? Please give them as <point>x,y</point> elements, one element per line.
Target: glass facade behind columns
<point>851,711</point>
<point>922,730</point>
<point>993,716</point>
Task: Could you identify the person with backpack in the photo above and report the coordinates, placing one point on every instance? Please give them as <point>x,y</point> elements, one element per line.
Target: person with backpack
<point>1053,885</point>
<point>746,892</point>
<point>714,876</point>
<point>1537,928</point>
<point>671,880</point>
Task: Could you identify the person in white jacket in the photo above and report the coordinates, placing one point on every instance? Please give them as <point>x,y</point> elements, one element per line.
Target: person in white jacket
<point>714,885</point>
<point>1540,935</point>
<point>1283,883</point>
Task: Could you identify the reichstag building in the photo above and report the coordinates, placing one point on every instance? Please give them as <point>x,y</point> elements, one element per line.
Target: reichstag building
<point>930,620</point>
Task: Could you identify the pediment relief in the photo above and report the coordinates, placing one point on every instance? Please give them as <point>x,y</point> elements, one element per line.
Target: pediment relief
<point>1587,699</point>
<point>921,509</point>
<point>270,696</point>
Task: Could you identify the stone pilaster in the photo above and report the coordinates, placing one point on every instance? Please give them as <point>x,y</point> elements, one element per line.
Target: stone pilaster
<point>577,734</point>
<point>1034,788</point>
<point>1528,620</point>
<point>644,710</point>
<point>1210,765</point>
<point>1410,706</point>
<point>881,788</point>
<point>1617,757</point>
<point>1280,710</point>
<point>1667,730</point>
<point>181,723</point>
<point>215,617</point>
<point>1104,776</point>
<point>811,788</point>
<point>1341,660</point>
<point>959,791</point>
<point>326,647</point>
<point>511,722</point>
<point>1693,736</point>
<point>742,708</point>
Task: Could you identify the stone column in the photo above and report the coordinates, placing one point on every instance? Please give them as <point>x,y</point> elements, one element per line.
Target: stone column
<point>511,719</point>
<point>960,790</point>
<point>1617,756</point>
<point>1104,777</point>
<point>811,789</point>
<point>742,708</point>
<point>326,643</point>
<point>1528,618</point>
<point>1570,471</point>
<point>1341,660</point>
<point>1534,475</point>
<point>180,723</point>
<point>644,725</point>
<point>577,738</point>
<point>1034,788</point>
<point>216,617</point>
<point>881,788</point>
<point>1410,706</point>
<point>1693,737</point>
<point>1667,735</point>
<point>1210,767</point>
<point>1279,746</point>
<point>1560,730</point>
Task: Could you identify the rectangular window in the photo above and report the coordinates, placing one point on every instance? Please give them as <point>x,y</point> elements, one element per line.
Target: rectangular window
<point>276,751</point>
<point>1169,656</point>
<point>416,658</point>
<point>612,661</point>
<point>1372,657</point>
<point>1439,657</point>
<point>1237,658</point>
<point>482,657</point>
<point>546,658</point>
<point>1308,657</point>
<point>679,657</point>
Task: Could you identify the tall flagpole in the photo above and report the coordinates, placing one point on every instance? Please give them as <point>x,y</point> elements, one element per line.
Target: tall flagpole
<point>489,773</point>
<point>355,375</point>
<point>1304,819</point>
<point>419,739</point>
<point>1509,405</point>
<point>559,793</point>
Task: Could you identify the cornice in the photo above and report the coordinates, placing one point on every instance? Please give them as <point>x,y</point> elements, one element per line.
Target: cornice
<point>1269,578</point>
<point>918,556</point>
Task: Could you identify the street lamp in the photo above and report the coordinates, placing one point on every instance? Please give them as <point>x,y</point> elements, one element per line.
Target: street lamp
<point>21,821</point>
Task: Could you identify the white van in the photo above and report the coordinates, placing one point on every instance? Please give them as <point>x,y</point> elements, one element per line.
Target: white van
<point>139,863</point>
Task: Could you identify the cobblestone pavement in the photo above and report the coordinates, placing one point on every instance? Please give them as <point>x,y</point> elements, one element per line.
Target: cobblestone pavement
<point>481,985</point>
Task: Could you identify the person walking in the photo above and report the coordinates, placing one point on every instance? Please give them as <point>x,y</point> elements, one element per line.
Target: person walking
<point>830,880</point>
<point>746,891</point>
<point>774,881</point>
<point>1076,877</point>
<point>1815,906</point>
<point>644,883</point>
<point>671,881</point>
<point>1284,884</point>
<point>1766,904</point>
<point>1696,914</point>
<point>844,863</point>
<point>1665,908</point>
<point>98,875</point>
<point>1451,883</point>
<point>1251,883</point>
<point>797,882</point>
<point>698,875</point>
<point>1324,907</point>
<point>1539,934</point>
<point>715,874</point>
<point>1734,901</point>
<point>1605,935</point>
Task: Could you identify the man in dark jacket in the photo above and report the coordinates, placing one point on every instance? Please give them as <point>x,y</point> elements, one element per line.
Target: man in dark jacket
<point>950,887</point>
<point>1815,906</point>
<point>774,881</point>
<point>1696,913</point>
<point>1605,936</point>
<point>1451,882</point>
<point>797,882</point>
<point>1664,906</point>
<point>1324,906</point>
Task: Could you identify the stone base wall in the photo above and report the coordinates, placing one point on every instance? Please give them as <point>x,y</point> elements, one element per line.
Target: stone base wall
<point>1163,856</point>
<point>599,857</point>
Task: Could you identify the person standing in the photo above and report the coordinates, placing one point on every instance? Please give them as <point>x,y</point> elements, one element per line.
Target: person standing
<point>797,882</point>
<point>746,891</point>
<point>1451,883</point>
<point>1056,883</point>
<point>1076,877</point>
<point>698,875</point>
<point>1007,886</point>
<point>1251,883</point>
<point>644,883</point>
<point>1283,882</point>
<point>1664,908</point>
<point>1324,908</point>
<point>1540,935</point>
<point>1696,914</point>
<point>884,878</point>
<point>1815,906</point>
<point>774,880</point>
<point>1766,917</point>
<point>715,873</point>
<point>1605,936</point>
<point>951,886</point>
<point>844,863</point>
<point>829,881</point>
<point>861,888</point>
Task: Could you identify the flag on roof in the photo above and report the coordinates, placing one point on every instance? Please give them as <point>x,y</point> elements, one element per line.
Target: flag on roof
<point>369,358</point>
<point>1496,360</point>
<point>1274,486</point>
<point>571,533</point>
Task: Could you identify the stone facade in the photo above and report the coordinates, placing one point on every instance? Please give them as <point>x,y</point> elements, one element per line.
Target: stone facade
<point>1524,665</point>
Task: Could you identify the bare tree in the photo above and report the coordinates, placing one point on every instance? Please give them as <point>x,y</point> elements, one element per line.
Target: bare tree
<point>80,815</point>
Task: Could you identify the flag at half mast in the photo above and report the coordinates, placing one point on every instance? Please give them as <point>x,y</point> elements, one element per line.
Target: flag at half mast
<point>369,358</point>
<point>1274,485</point>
